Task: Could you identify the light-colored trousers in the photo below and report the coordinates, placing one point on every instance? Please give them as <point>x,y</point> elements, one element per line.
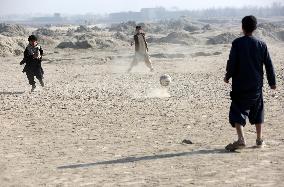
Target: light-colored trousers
<point>141,57</point>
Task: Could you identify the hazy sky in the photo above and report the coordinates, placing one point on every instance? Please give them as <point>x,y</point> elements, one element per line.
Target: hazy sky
<point>107,6</point>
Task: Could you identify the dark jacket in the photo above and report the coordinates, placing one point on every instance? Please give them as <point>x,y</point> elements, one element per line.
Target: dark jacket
<point>245,66</point>
<point>31,62</point>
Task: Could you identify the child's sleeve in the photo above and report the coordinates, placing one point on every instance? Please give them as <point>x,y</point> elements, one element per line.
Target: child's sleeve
<point>135,38</point>
<point>41,51</point>
<point>23,61</point>
<point>231,63</point>
<point>26,54</point>
<point>270,73</point>
<point>146,44</point>
<point>135,41</point>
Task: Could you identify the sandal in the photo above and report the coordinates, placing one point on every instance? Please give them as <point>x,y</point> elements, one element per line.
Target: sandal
<point>236,145</point>
<point>260,143</point>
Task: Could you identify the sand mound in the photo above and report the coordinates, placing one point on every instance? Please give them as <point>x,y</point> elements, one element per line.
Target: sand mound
<point>75,45</point>
<point>207,27</point>
<point>83,28</point>
<point>265,35</point>
<point>224,38</point>
<point>270,27</point>
<point>280,35</point>
<point>96,28</point>
<point>70,32</point>
<point>45,36</point>
<point>178,38</point>
<point>191,28</point>
<point>98,43</point>
<point>86,36</point>
<point>46,40</point>
<point>164,26</point>
<point>176,24</point>
<point>11,46</point>
<point>45,32</point>
<point>12,30</point>
<point>153,27</point>
<point>125,27</point>
<point>183,23</point>
<point>268,31</point>
<point>170,25</point>
<point>152,39</point>
<point>121,36</point>
<point>105,43</point>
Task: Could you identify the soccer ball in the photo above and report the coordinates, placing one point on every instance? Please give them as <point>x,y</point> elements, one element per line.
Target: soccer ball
<point>165,80</point>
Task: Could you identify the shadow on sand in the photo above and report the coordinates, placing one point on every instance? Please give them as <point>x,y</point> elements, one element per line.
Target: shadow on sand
<point>11,93</point>
<point>145,158</point>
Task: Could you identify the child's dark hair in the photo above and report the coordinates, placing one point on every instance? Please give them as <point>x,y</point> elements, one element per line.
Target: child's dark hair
<point>249,23</point>
<point>32,38</point>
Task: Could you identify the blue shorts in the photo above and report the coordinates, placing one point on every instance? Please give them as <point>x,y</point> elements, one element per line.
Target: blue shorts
<point>242,108</point>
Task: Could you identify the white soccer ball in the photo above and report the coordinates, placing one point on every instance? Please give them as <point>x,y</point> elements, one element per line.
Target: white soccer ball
<point>165,80</point>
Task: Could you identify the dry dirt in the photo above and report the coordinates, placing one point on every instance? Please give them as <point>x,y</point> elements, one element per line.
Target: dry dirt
<point>93,124</point>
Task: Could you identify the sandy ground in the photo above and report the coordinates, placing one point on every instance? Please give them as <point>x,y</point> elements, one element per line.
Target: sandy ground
<point>95,125</point>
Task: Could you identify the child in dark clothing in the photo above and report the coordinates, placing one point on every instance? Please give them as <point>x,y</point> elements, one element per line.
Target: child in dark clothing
<point>32,58</point>
<point>245,67</point>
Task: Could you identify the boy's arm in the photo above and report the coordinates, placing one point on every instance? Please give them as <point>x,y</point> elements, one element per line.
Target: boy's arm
<point>26,57</point>
<point>146,44</point>
<point>231,63</point>
<point>136,42</point>
<point>270,73</point>
<point>132,41</point>
<point>23,61</point>
<point>40,52</point>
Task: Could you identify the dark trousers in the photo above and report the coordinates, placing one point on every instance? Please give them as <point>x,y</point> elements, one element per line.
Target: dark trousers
<point>34,72</point>
<point>251,107</point>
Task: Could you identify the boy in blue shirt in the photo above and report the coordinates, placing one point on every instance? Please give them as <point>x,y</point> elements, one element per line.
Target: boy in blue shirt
<point>245,66</point>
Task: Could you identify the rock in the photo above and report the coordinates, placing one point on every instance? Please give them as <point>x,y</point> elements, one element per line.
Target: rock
<point>45,32</point>
<point>187,141</point>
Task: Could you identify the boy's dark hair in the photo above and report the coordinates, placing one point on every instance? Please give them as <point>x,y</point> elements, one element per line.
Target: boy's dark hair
<point>249,23</point>
<point>32,38</point>
<point>138,27</point>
